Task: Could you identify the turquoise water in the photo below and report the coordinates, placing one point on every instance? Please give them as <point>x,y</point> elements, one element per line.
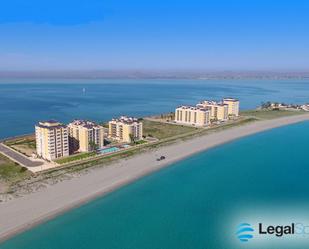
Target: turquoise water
<point>23,103</point>
<point>193,203</point>
<point>109,150</point>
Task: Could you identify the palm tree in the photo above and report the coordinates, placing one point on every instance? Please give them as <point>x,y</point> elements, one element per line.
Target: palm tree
<point>93,145</point>
<point>266,105</point>
<point>132,138</point>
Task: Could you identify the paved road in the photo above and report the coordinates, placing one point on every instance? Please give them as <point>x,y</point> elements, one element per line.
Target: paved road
<point>22,160</point>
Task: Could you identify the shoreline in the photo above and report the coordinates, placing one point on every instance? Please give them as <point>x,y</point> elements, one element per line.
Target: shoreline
<point>21,214</point>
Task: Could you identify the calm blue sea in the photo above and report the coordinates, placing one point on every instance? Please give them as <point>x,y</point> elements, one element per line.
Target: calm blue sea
<point>23,103</point>
<point>193,204</point>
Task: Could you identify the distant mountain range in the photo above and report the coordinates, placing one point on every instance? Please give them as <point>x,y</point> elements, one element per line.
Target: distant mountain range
<point>144,74</point>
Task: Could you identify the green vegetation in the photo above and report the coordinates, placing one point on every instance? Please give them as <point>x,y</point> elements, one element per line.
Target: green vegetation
<point>132,138</point>
<point>93,146</point>
<point>140,142</point>
<point>104,124</point>
<point>25,145</point>
<point>164,130</point>
<point>228,125</point>
<point>270,114</point>
<point>75,157</point>
<point>77,166</point>
<point>105,159</point>
<point>28,141</point>
<point>11,172</point>
<point>164,116</point>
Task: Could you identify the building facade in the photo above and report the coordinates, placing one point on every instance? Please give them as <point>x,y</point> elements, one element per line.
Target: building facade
<point>192,115</point>
<point>218,110</point>
<point>125,129</point>
<point>233,106</point>
<point>85,136</point>
<point>52,140</point>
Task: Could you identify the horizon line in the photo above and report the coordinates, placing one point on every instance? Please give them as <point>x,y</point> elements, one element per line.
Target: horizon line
<point>153,74</point>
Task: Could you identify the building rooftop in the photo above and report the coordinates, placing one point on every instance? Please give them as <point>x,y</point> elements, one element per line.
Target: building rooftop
<point>84,123</point>
<point>207,102</point>
<point>50,124</point>
<point>231,99</point>
<point>194,108</point>
<point>126,120</point>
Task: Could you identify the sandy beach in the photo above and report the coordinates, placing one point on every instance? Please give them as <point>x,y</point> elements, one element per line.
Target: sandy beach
<point>23,213</point>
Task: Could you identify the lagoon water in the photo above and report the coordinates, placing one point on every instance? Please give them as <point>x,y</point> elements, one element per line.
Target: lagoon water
<point>23,103</point>
<point>193,204</point>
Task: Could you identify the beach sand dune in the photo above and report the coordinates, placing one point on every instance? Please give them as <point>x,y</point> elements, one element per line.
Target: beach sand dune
<point>22,213</point>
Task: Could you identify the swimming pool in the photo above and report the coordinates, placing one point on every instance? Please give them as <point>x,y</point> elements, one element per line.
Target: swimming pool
<point>109,150</point>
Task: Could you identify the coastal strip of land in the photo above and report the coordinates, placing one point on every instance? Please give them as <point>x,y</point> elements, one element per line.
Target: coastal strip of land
<point>23,213</point>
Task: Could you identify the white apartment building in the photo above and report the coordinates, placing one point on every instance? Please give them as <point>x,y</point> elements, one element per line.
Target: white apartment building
<point>233,106</point>
<point>192,115</point>
<point>83,134</point>
<point>52,140</point>
<point>125,129</point>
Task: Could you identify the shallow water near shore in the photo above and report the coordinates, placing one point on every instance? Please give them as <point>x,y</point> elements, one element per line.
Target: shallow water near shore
<point>24,102</point>
<point>195,203</point>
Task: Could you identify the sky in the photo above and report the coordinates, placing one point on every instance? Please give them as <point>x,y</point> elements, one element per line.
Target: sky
<point>154,35</point>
